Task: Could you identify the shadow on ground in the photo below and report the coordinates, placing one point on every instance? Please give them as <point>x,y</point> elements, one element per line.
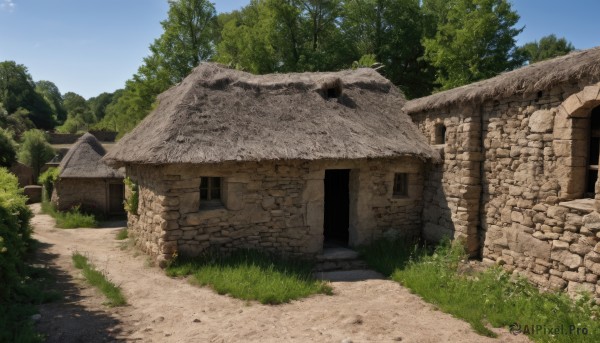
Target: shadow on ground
<point>67,320</point>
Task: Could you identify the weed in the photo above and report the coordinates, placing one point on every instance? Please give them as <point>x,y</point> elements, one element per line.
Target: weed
<point>99,280</point>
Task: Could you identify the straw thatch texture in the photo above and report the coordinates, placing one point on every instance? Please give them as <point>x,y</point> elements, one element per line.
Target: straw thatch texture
<point>218,114</point>
<point>84,160</point>
<point>536,77</point>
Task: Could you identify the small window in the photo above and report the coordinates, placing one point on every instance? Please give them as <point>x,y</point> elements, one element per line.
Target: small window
<point>400,185</point>
<point>440,134</point>
<point>210,190</point>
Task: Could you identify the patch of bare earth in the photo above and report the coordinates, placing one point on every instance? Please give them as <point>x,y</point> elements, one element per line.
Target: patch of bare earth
<point>162,309</point>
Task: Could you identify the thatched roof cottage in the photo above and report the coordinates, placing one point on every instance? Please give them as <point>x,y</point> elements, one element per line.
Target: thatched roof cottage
<point>519,180</point>
<point>283,162</point>
<point>84,180</point>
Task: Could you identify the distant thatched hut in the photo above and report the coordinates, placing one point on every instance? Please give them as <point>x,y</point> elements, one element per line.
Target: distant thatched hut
<point>84,180</point>
<point>277,162</point>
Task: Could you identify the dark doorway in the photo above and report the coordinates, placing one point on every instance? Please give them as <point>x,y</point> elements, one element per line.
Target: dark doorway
<point>116,195</point>
<point>337,207</point>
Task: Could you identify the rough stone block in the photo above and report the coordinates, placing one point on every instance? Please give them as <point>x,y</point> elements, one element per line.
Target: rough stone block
<point>541,121</point>
<point>570,260</point>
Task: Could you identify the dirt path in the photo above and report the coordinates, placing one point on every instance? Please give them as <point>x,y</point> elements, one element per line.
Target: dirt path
<point>162,309</point>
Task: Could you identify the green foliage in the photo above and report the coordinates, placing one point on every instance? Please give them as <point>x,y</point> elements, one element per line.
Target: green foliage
<point>251,275</point>
<point>20,284</point>
<point>491,296</point>
<point>132,201</point>
<point>546,48</point>
<point>392,31</point>
<point>47,180</point>
<point>17,90</point>
<point>17,122</point>
<point>8,153</point>
<point>71,219</point>
<point>122,234</point>
<point>52,96</point>
<point>35,150</point>
<point>475,40</point>
<point>99,280</point>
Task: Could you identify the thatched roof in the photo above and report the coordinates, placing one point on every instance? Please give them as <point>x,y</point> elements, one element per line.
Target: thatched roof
<point>84,160</point>
<point>533,78</point>
<point>218,114</point>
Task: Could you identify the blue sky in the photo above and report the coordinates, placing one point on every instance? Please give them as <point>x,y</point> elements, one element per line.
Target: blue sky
<point>93,46</point>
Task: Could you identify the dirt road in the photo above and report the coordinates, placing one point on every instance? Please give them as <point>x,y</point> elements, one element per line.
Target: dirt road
<point>162,309</point>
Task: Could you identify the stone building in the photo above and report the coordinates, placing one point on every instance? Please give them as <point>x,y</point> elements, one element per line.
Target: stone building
<point>85,181</point>
<point>283,162</point>
<point>519,178</point>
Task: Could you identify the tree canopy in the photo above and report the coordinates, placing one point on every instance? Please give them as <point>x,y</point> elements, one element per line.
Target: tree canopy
<point>547,47</point>
<point>475,40</point>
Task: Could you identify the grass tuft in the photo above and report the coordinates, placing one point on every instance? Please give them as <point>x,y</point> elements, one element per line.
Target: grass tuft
<point>99,280</point>
<point>71,219</point>
<point>122,234</point>
<point>491,297</point>
<point>252,275</point>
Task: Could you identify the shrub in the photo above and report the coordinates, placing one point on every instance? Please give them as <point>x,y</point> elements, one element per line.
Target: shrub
<point>8,153</point>
<point>35,151</point>
<point>18,291</point>
<point>122,234</point>
<point>47,180</point>
<point>252,275</point>
<point>131,203</point>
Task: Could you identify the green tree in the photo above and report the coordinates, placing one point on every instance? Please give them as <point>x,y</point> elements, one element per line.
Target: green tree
<point>79,115</point>
<point>392,31</point>
<point>475,40</point>
<point>8,153</point>
<point>186,41</point>
<point>52,96</point>
<point>17,90</point>
<point>17,122</point>
<point>547,47</point>
<point>35,151</point>
<point>97,105</point>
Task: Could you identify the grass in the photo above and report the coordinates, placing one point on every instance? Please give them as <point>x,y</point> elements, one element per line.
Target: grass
<point>251,275</point>
<point>99,280</point>
<point>122,234</point>
<point>70,219</point>
<point>491,297</point>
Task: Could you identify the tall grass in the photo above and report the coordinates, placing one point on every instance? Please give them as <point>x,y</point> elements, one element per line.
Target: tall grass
<point>71,219</point>
<point>122,234</point>
<point>99,280</point>
<point>251,275</point>
<point>491,297</point>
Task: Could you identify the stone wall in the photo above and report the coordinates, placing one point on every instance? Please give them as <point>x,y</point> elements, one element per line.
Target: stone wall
<point>532,160</point>
<point>273,206</point>
<point>90,194</point>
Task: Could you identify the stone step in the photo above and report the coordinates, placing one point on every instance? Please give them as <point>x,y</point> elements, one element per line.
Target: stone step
<point>339,258</point>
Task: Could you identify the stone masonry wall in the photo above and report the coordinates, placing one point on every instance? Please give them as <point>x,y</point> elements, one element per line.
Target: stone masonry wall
<point>89,193</point>
<point>273,206</point>
<point>528,215</point>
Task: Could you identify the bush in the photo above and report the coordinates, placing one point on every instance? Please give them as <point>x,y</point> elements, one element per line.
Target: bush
<point>18,292</point>
<point>8,153</point>
<point>131,203</point>
<point>252,275</point>
<point>35,151</point>
<point>47,180</point>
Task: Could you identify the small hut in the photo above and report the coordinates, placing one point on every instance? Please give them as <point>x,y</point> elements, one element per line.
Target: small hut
<point>286,162</point>
<point>85,181</point>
